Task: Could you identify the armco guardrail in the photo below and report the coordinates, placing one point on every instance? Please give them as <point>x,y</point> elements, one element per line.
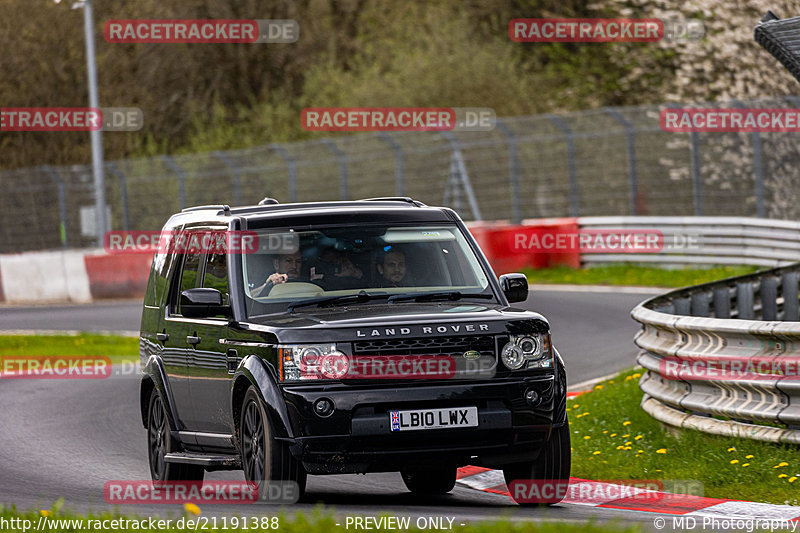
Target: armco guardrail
<point>705,240</point>
<point>746,318</point>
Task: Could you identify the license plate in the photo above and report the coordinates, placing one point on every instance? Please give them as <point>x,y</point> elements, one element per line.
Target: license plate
<point>416,419</point>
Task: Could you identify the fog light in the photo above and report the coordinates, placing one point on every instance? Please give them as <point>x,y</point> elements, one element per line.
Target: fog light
<point>532,397</point>
<point>323,407</point>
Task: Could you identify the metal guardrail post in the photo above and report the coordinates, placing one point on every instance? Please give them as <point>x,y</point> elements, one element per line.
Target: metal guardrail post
<point>123,194</point>
<point>722,302</point>
<point>399,182</point>
<point>292,170</point>
<point>574,197</point>
<point>513,171</point>
<point>237,179</point>
<point>789,289</point>
<point>630,137</point>
<point>62,204</point>
<point>342,158</point>
<point>700,304</point>
<point>745,301</point>
<point>769,298</point>
<point>462,171</point>
<point>172,165</point>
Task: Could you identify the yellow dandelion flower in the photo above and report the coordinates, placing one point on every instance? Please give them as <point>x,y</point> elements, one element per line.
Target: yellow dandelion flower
<point>596,453</point>
<point>637,375</point>
<point>626,423</point>
<point>575,406</point>
<point>745,464</point>
<point>627,448</point>
<point>44,512</point>
<point>625,436</point>
<point>782,475</point>
<point>611,382</point>
<point>640,451</point>
<point>731,449</point>
<point>661,450</point>
<point>613,435</point>
<point>657,470</point>
<point>586,413</point>
<point>637,437</point>
<point>598,387</point>
<point>587,437</point>
<point>734,461</point>
<point>605,431</point>
<point>749,456</point>
<point>191,508</point>
<point>783,464</point>
<point>620,447</point>
<point>792,479</point>
<point>628,443</point>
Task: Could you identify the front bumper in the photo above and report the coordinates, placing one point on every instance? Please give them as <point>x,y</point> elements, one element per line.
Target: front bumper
<point>357,437</point>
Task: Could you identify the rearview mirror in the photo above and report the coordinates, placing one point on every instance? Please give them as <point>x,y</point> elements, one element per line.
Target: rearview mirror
<point>515,287</point>
<point>202,302</point>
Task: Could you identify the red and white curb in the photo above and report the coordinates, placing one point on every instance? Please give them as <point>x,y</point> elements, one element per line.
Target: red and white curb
<point>596,494</point>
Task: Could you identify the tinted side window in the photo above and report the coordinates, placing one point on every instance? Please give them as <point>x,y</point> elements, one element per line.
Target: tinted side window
<point>189,272</point>
<point>216,274</point>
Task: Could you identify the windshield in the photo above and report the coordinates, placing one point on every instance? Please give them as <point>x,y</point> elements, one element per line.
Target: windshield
<point>376,263</point>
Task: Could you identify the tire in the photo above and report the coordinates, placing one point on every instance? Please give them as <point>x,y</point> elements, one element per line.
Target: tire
<point>265,459</point>
<point>550,471</point>
<point>160,443</point>
<point>430,481</point>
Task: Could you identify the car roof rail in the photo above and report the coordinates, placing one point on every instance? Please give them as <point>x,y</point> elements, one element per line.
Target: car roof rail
<point>225,208</point>
<point>268,201</point>
<point>405,199</point>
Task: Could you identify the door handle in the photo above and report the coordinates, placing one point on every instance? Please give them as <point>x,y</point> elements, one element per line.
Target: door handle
<point>233,360</point>
<point>193,340</point>
<point>163,337</point>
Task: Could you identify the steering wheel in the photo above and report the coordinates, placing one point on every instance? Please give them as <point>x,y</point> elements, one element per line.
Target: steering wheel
<point>295,288</point>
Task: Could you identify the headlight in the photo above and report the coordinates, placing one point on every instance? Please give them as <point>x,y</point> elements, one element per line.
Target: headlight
<point>298,362</point>
<point>527,351</point>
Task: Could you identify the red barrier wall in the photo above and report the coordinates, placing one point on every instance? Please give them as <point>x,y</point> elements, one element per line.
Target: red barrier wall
<point>509,247</point>
<point>118,276</point>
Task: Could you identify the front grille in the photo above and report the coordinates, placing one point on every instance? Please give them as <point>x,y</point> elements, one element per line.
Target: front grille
<point>452,346</point>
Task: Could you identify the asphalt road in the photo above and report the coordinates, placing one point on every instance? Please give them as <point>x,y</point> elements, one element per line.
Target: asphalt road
<point>67,438</point>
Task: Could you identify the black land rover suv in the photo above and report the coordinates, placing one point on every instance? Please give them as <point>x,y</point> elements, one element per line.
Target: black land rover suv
<point>351,337</point>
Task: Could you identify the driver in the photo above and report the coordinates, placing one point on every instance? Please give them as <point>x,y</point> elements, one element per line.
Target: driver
<point>393,269</point>
<point>287,268</point>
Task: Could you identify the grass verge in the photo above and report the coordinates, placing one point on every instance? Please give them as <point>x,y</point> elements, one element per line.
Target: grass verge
<point>613,438</point>
<point>119,349</point>
<point>634,275</point>
<point>60,521</point>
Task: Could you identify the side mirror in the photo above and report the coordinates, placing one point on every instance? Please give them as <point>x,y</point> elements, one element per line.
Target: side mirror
<point>200,303</point>
<point>515,287</point>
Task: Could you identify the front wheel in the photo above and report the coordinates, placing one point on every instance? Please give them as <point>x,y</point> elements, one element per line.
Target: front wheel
<point>430,481</point>
<point>545,480</point>
<point>264,459</point>
<point>160,443</point>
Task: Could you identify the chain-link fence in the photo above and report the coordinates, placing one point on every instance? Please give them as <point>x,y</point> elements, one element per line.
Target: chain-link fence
<point>613,161</point>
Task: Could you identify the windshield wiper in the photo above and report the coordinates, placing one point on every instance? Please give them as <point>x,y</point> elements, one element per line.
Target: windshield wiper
<point>434,296</point>
<point>321,301</point>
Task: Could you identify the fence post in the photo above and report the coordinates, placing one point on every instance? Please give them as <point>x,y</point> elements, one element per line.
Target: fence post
<point>457,159</point>
<point>758,166</point>
<point>399,182</point>
<point>123,194</point>
<point>292,171</point>
<point>342,158</point>
<point>697,181</point>
<point>513,170</point>
<point>237,180</point>
<point>172,165</point>
<point>62,204</point>
<point>744,301</point>
<point>630,135</point>
<point>574,205</point>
